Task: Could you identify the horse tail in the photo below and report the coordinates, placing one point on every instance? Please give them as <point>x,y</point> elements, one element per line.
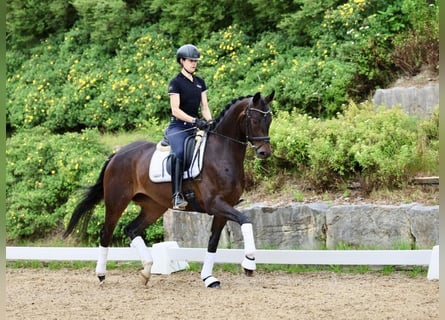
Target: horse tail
<point>90,198</point>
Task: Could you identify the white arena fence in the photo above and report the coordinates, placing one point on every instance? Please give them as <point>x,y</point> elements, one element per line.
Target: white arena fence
<point>168,257</point>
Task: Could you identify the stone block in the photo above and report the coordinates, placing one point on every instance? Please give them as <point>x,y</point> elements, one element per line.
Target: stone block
<point>368,226</point>
<point>425,225</point>
<point>297,226</point>
<point>416,101</point>
<point>190,229</point>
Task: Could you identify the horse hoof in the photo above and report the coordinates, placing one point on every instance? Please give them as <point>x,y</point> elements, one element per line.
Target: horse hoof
<point>101,280</point>
<point>248,272</point>
<point>212,282</point>
<point>144,279</point>
<point>215,285</point>
<point>146,273</point>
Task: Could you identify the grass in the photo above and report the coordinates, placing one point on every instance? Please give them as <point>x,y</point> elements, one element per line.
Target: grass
<point>116,140</point>
<point>123,138</point>
<point>293,189</point>
<point>415,271</point>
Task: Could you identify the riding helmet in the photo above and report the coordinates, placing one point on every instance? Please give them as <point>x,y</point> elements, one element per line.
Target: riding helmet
<point>188,51</point>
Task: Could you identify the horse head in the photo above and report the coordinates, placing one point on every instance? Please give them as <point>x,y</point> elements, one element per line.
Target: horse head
<point>258,118</point>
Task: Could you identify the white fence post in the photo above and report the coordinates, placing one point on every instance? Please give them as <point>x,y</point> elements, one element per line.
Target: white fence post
<point>433,269</point>
<point>162,261</point>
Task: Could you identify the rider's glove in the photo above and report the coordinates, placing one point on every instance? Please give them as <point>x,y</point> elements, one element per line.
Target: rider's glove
<point>201,124</point>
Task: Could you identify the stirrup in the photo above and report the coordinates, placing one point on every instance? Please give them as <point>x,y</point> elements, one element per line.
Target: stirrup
<point>178,202</point>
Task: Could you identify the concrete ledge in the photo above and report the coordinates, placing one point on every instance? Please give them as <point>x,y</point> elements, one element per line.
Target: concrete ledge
<point>316,226</point>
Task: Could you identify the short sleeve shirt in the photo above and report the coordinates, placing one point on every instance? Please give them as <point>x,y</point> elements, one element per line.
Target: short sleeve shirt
<point>189,93</point>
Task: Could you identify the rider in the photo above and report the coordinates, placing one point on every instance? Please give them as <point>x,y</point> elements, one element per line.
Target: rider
<point>187,93</point>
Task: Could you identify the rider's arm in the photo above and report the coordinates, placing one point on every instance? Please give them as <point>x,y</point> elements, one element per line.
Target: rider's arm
<point>205,110</point>
<point>176,111</point>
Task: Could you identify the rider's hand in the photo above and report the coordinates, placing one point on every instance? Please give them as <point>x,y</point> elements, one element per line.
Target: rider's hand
<point>201,124</point>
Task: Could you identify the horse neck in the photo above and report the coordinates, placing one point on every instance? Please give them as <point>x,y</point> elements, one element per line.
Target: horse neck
<point>232,125</point>
<point>230,134</point>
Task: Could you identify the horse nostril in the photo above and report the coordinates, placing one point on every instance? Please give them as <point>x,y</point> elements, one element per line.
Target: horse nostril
<point>263,154</point>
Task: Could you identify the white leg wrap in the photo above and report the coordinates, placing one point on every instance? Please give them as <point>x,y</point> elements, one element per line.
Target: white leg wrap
<point>101,265</point>
<point>207,267</point>
<point>248,263</point>
<point>249,242</point>
<point>142,249</point>
<point>249,247</point>
<point>208,282</point>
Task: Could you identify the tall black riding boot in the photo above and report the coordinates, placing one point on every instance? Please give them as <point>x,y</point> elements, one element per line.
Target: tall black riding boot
<point>178,201</point>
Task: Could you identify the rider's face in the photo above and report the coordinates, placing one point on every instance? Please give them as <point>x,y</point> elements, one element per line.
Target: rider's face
<point>189,65</point>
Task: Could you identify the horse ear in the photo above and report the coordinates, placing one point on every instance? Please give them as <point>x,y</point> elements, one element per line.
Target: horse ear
<point>270,97</point>
<point>256,98</point>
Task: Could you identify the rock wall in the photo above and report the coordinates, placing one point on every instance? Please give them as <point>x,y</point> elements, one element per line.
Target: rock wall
<point>315,226</point>
<point>417,101</point>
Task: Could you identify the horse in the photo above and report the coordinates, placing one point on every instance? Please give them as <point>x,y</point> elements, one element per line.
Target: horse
<point>217,190</point>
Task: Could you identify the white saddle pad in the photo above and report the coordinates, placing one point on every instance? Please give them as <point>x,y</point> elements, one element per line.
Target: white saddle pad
<point>158,165</point>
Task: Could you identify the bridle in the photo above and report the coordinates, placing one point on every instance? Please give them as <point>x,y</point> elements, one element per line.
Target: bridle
<point>265,139</point>
<point>249,138</point>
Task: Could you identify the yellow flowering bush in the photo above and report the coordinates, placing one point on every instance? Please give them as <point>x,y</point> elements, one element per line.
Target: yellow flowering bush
<point>42,171</point>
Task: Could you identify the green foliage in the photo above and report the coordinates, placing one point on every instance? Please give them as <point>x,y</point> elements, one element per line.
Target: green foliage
<point>41,173</point>
<point>350,49</point>
<point>64,88</point>
<point>304,26</point>
<point>106,21</point>
<point>385,147</point>
<point>420,46</point>
<point>194,21</point>
<point>316,86</point>
<point>190,21</point>
<point>28,21</point>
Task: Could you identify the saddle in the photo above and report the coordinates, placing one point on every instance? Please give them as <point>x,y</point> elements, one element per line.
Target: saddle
<point>160,165</point>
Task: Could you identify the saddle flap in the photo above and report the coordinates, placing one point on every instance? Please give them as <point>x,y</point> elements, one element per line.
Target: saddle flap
<point>159,170</point>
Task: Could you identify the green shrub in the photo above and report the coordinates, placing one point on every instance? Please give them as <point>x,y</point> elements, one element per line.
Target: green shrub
<point>28,22</point>
<point>67,89</point>
<point>383,147</point>
<point>104,21</point>
<point>42,172</point>
<point>419,47</point>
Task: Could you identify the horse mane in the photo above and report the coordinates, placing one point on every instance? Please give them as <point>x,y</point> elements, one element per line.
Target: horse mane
<point>228,106</point>
<point>132,146</point>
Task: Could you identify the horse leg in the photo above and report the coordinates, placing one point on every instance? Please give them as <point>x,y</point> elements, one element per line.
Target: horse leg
<point>134,231</point>
<point>210,281</point>
<point>223,209</point>
<point>248,263</point>
<point>113,212</point>
<point>105,240</point>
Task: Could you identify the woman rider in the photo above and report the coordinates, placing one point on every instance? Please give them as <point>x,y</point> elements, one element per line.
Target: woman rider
<point>187,94</point>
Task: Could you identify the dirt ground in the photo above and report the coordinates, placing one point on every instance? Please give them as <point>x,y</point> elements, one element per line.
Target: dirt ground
<point>75,294</point>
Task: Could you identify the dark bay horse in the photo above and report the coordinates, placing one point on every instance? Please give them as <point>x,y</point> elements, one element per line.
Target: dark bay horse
<point>125,178</point>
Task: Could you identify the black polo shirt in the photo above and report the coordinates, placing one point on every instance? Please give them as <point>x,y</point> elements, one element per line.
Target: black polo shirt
<point>189,93</point>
